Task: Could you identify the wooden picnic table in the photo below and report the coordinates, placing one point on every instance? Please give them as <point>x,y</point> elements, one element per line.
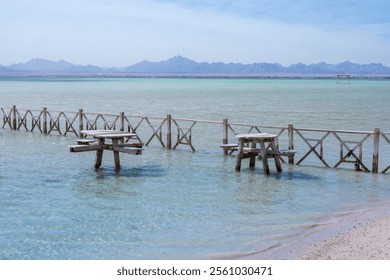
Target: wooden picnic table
<point>247,148</point>
<point>99,144</point>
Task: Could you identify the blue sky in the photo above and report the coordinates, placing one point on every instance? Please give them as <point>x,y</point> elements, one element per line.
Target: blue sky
<point>121,33</point>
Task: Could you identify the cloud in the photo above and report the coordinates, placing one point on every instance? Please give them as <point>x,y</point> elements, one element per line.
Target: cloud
<point>120,32</point>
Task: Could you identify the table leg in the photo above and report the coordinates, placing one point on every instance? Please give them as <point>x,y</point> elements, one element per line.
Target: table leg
<point>264,157</point>
<point>275,152</point>
<point>252,159</point>
<point>116,155</point>
<point>239,154</point>
<point>99,154</point>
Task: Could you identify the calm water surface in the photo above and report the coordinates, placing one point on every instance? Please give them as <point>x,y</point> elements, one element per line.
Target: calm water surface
<point>175,204</point>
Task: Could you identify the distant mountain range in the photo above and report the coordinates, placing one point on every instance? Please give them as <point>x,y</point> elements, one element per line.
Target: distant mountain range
<point>179,65</point>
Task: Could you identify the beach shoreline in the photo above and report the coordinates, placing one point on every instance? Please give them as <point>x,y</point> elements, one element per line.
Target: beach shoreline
<point>369,241</point>
<point>361,233</point>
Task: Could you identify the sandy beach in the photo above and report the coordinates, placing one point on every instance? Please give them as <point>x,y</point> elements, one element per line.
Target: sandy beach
<point>360,233</point>
<point>368,241</point>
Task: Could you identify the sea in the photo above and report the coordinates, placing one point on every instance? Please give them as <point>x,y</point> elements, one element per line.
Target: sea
<point>178,204</point>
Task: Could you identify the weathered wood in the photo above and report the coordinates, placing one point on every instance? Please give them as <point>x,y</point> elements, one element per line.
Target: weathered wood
<point>44,120</point>
<point>291,142</point>
<point>351,152</point>
<point>250,151</point>
<point>184,136</point>
<point>375,155</point>
<point>134,145</point>
<point>157,132</point>
<point>85,141</point>
<point>344,76</point>
<point>14,127</point>
<point>114,135</point>
<point>86,148</point>
<point>169,132</point>
<point>319,142</point>
<point>122,121</point>
<point>81,122</point>
<point>64,122</point>
<point>99,154</point>
<point>130,150</point>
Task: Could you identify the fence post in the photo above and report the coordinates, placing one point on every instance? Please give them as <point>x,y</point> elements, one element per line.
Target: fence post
<point>291,142</point>
<point>14,117</point>
<point>169,132</point>
<point>44,120</point>
<point>122,121</point>
<point>375,155</point>
<point>81,122</point>
<point>225,134</point>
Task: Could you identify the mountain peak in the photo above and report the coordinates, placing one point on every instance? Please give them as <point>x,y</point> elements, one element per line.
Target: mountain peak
<point>182,65</point>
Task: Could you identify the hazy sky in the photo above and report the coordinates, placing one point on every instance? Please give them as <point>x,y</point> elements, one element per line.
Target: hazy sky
<point>124,32</point>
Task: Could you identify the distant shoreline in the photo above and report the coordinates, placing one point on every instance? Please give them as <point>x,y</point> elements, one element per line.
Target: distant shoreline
<point>189,76</point>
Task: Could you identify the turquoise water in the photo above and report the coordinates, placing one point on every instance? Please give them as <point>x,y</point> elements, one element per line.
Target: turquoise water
<point>175,204</point>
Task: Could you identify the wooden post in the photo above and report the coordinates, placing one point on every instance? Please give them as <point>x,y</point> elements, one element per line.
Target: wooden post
<point>14,117</point>
<point>81,122</point>
<point>99,154</point>
<point>116,155</point>
<point>291,142</point>
<point>169,132</point>
<point>225,134</point>
<point>375,155</point>
<point>44,120</point>
<point>122,121</point>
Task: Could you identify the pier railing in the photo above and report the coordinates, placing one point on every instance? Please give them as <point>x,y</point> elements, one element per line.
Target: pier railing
<point>361,150</point>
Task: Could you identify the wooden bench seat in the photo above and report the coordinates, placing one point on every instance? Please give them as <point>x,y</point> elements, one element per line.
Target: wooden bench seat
<point>84,148</point>
<point>85,141</point>
<point>134,144</point>
<point>231,148</point>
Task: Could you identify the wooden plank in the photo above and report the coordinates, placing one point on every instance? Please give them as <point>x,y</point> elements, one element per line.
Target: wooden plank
<point>115,135</point>
<point>135,144</point>
<point>252,150</point>
<point>85,148</point>
<point>85,141</point>
<point>130,150</point>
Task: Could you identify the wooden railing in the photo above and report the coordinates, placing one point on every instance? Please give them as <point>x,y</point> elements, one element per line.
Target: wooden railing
<point>362,150</point>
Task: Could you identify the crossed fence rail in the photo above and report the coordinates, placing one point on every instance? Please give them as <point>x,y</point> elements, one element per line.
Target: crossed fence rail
<point>359,149</point>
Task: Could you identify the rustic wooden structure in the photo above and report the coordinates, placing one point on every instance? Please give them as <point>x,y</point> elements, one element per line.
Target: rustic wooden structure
<point>117,146</point>
<point>361,150</point>
<point>247,149</point>
<point>343,77</point>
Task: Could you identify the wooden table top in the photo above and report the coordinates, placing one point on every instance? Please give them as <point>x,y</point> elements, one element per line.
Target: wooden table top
<point>257,136</point>
<point>107,133</point>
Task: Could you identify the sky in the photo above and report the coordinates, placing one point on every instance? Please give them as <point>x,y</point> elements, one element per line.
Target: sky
<point>124,32</point>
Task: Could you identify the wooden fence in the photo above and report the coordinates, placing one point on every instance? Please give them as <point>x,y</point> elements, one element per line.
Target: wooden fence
<point>361,150</point>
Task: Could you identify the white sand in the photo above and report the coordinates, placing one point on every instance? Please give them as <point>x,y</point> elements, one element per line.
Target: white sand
<point>359,233</point>
<point>369,241</point>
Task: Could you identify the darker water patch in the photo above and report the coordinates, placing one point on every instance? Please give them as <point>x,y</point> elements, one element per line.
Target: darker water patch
<point>297,175</point>
<point>149,171</point>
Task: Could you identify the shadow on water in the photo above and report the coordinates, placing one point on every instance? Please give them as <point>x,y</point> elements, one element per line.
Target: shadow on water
<point>150,170</point>
<point>285,175</point>
<point>297,175</point>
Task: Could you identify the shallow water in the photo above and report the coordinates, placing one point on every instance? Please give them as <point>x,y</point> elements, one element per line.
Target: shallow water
<point>175,204</point>
<point>162,205</point>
